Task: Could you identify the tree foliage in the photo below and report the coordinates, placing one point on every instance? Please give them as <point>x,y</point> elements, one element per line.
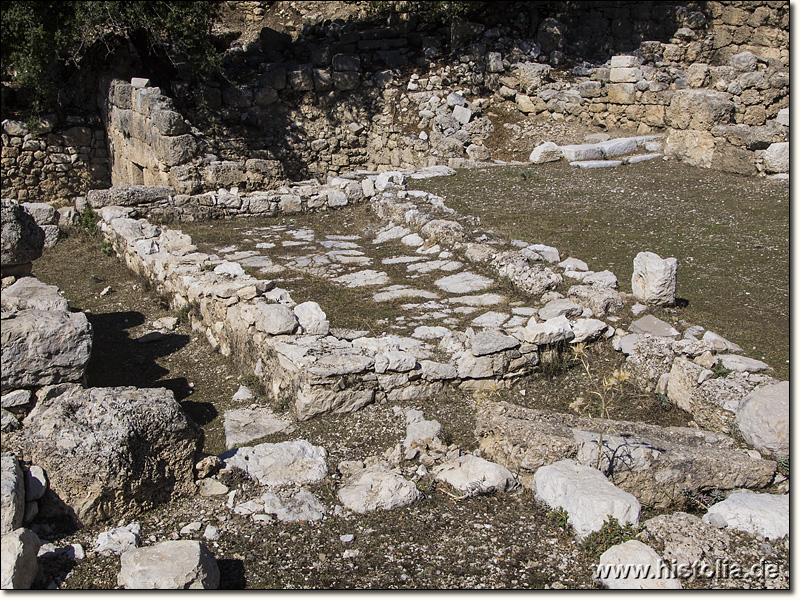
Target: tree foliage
<point>39,37</point>
<point>435,11</point>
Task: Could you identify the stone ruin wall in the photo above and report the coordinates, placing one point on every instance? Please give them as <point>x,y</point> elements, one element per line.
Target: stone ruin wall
<point>51,163</point>
<point>346,99</point>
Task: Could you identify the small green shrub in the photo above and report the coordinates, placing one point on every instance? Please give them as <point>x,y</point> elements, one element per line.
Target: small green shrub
<point>561,517</point>
<point>88,222</point>
<point>719,370</point>
<point>183,314</point>
<point>783,467</point>
<point>106,248</point>
<point>610,534</point>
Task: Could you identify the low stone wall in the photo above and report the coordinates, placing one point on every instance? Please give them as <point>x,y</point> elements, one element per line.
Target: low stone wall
<point>51,163</point>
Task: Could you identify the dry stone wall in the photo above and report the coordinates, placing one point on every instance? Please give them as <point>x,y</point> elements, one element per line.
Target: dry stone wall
<point>55,162</point>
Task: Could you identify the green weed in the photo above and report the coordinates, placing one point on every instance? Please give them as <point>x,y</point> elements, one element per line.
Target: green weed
<point>610,534</point>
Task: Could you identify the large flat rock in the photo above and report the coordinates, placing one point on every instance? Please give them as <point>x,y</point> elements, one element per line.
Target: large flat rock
<point>653,463</point>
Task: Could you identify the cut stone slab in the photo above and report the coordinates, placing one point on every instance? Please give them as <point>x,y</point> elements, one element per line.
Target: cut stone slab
<point>765,515</point>
<point>377,487</point>
<point>363,278</point>
<point>244,425</point>
<point>633,552</point>
<point>491,319</point>
<point>178,565</point>
<point>646,460</point>
<point>474,475</point>
<point>285,463</point>
<point>479,300</point>
<point>18,559</point>
<point>585,494</point>
<point>491,342</point>
<point>289,508</point>
<point>398,292</point>
<point>632,160</point>
<point>595,164</point>
<point>654,280</point>
<point>763,419</point>
<point>464,283</point>
<point>394,360</point>
<point>654,326</point>
<point>12,494</point>
<point>743,363</point>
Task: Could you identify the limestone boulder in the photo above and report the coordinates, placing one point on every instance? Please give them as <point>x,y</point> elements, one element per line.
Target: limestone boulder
<point>28,293</point>
<point>546,152</point>
<point>377,487</point>
<point>12,494</point>
<point>108,451</point>
<point>18,559</point>
<point>552,331</point>
<point>776,158</point>
<point>178,565</point>
<point>763,419</point>
<point>471,474</point>
<point>42,347</point>
<point>766,515</point>
<point>312,319</point>
<point>22,239</point>
<point>285,463</point>
<point>654,279</point>
<point>585,493</point>
<point>633,552</point>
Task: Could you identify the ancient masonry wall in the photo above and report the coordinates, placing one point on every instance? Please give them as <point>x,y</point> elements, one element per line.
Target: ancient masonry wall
<point>47,164</point>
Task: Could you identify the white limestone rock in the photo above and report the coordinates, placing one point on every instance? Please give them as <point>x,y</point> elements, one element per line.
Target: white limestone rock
<point>776,158</point>
<point>551,331</point>
<point>419,431</point>
<point>633,552</point>
<point>285,463</point>
<point>465,282</point>
<point>654,279</point>
<point>474,475</point>
<point>312,318</point>
<point>178,565</point>
<point>394,360</point>
<point>763,419</point>
<point>743,364</point>
<point>18,559</point>
<point>436,371</point>
<point>118,540</point>
<point>547,152</point>
<point>586,330</point>
<point>377,487</point>
<point>288,508</point>
<point>766,515</point>
<point>12,494</point>
<point>585,494</point>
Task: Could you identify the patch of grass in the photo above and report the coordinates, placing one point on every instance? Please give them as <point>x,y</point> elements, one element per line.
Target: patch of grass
<point>783,467</point>
<point>694,501</point>
<point>610,534</point>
